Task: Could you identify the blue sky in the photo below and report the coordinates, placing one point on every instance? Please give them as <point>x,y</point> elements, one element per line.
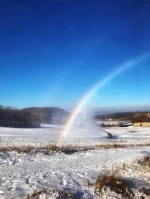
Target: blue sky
<point>53,51</point>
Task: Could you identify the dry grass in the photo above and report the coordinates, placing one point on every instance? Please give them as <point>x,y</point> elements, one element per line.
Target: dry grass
<point>142,165</point>
<point>18,149</point>
<point>67,149</point>
<point>30,149</point>
<point>145,161</point>
<point>47,194</point>
<point>113,180</point>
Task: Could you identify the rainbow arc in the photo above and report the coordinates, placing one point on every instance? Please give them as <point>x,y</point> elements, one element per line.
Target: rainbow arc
<point>81,104</point>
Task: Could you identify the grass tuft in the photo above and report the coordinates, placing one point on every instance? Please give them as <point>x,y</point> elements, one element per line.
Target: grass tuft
<point>145,161</point>
<point>115,182</point>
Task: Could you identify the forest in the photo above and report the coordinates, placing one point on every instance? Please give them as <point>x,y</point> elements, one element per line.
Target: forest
<point>31,117</point>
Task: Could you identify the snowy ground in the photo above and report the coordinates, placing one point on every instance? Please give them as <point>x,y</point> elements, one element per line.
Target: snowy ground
<point>21,174</point>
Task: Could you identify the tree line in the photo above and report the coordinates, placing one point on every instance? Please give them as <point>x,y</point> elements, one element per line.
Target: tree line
<point>10,117</point>
<point>31,117</point>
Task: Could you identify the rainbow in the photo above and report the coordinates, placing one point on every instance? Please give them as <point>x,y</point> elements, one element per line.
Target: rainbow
<point>95,88</point>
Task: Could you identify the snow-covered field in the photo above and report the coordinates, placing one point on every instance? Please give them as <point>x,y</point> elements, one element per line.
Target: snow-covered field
<point>22,174</point>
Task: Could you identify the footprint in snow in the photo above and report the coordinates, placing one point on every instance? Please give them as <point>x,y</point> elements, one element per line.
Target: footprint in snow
<point>27,180</point>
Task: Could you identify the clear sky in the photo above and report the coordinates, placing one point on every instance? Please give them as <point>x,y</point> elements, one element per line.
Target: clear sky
<point>53,51</point>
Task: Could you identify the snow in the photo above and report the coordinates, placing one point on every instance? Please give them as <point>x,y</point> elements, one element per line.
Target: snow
<point>22,174</point>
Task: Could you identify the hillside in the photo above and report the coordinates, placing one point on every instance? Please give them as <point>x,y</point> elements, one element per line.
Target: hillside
<point>32,116</point>
<point>116,116</point>
<point>126,116</point>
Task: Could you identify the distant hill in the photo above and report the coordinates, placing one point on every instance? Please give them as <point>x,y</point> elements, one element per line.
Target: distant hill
<point>116,116</point>
<point>126,116</point>
<point>32,116</point>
